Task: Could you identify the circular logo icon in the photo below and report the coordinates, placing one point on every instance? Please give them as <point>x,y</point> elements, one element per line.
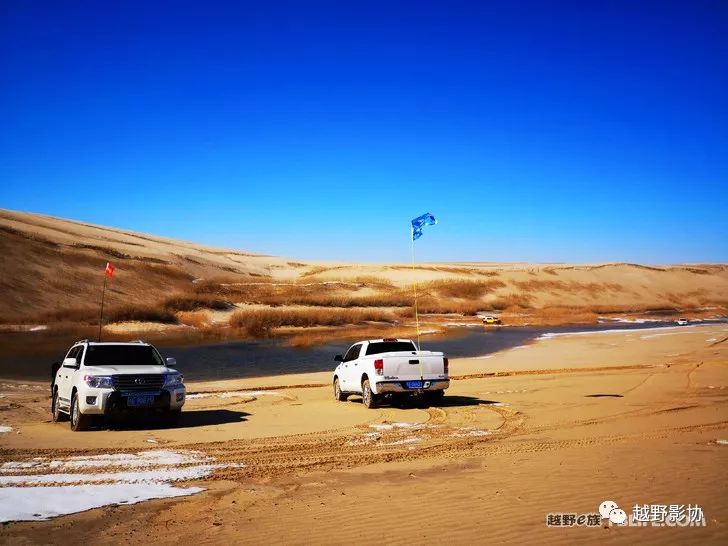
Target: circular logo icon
<point>618,516</point>
<point>606,507</point>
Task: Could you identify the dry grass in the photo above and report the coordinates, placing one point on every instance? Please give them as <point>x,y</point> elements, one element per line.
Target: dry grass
<point>461,289</point>
<point>310,294</point>
<point>142,314</point>
<point>433,306</point>
<point>261,322</point>
<point>511,301</point>
<point>194,303</point>
<point>198,319</point>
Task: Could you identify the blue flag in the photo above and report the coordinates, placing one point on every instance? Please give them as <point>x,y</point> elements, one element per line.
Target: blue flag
<point>418,223</point>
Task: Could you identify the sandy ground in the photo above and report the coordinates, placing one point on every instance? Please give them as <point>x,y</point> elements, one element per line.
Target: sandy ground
<point>554,427</point>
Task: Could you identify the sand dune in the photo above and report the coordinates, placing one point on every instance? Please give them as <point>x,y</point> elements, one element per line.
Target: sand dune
<point>52,271</point>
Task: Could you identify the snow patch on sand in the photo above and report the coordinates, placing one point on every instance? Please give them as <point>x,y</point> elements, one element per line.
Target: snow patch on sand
<point>157,458</point>
<point>405,441</point>
<point>43,488</point>
<point>665,331</point>
<point>391,426</point>
<point>42,503</point>
<point>465,432</point>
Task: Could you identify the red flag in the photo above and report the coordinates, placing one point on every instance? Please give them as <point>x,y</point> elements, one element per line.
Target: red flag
<point>109,269</point>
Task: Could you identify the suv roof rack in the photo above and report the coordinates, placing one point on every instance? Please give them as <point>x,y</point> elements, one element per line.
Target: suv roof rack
<point>139,341</point>
<point>81,341</point>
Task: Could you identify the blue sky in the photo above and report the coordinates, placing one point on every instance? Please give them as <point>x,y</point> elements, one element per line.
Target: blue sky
<point>534,131</point>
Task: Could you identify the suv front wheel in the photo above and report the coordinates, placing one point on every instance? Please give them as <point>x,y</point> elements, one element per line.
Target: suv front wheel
<point>56,412</point>
<point>79,421</point>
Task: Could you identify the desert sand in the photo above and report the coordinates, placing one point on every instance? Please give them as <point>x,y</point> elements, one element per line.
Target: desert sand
<point>556,426</point>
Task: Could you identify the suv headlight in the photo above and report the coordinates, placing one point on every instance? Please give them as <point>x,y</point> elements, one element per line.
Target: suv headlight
<point>99,381</point>
<point>173,379</point>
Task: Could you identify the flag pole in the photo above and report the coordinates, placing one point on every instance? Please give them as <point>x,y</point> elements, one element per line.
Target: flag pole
<point>101,317</point>
<point>414,287</point>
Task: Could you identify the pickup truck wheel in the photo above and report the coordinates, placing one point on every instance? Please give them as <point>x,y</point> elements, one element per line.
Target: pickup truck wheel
<point>338,395</point>
<point>79,421</point>
<point>368,398</point>
<point>56,412</point>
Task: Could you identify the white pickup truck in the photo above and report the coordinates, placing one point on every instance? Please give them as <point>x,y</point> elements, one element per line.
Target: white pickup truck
<point>389,367</point>
<point>115,378</point>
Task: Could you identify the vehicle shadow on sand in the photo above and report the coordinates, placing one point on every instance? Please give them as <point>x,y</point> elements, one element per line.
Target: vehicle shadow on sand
<point>188,419</point>
<point>415,402</point>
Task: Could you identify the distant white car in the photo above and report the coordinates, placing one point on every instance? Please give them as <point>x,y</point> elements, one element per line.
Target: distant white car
<point>115,378</point>
<point>379,367</point>
<point>682,322</point>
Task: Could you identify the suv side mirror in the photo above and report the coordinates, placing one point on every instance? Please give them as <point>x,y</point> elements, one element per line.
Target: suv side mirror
<point>171,362</point>
<point>339,358</point>
<point>70,363</point>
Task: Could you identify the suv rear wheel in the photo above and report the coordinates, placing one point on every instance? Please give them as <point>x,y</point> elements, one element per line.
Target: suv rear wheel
<point>79,421</point>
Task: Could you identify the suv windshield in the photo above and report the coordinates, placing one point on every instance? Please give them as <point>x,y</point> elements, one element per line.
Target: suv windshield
<point>122,355</point>
<point>390,347</point>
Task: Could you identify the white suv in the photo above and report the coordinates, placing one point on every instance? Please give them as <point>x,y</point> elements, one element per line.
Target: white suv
<point>114,378</point>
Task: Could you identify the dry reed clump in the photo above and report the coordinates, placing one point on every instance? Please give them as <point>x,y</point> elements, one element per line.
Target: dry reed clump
<point>260,322</point>
<point>197,319</point>
<point>194,303</point>
<point>511,301</point>
<point>79,315</point>
<point>318,295</point>
<point>591,288</point>
<point>142,314</point>
<point>456,288</point>
<point>431,306</point>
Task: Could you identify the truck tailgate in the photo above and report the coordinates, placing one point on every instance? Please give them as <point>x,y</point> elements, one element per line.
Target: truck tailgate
<point>409,367</point>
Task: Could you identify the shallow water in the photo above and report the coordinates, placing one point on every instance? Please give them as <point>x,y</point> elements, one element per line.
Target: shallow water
<point>261,358</point>
<point>240,359</point>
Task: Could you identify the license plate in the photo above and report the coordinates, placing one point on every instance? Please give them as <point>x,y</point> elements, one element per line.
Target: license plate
<point>414,384</point>
<point>140,400</point>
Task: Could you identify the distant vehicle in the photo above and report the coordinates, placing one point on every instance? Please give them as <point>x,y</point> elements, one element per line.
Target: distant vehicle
<point>115,378</point>
<point>491,320</point>
<point>379,368</point>
<point>682,322</point>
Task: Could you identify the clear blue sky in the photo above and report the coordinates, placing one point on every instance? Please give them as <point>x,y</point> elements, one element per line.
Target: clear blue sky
<point>538,131</point>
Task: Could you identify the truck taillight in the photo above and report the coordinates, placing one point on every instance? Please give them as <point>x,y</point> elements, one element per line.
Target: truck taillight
<point>447,365</point>
<point>379,366</point>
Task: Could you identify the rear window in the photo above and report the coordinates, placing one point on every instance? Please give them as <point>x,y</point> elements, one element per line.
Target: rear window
<point>122,355</point>
<point>390,347</point>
